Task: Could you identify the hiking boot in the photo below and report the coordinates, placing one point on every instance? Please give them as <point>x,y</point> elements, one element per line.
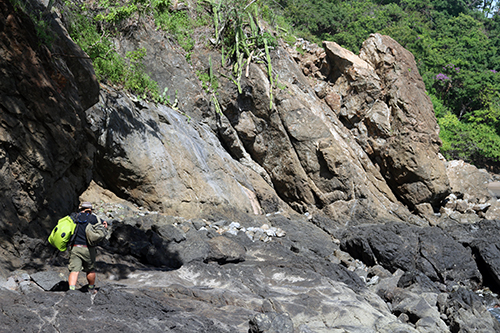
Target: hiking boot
<point>92,290</point>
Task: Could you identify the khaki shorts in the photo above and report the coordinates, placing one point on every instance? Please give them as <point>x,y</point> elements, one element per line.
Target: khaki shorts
<point>82,259</point>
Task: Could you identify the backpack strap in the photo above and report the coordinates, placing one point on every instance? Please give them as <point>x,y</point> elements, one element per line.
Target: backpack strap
<point>72,239</point>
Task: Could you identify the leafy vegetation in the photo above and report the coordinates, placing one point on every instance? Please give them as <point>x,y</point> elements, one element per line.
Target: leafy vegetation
<point>241,37</point>
<point>237,33</point>
<point>93,25</point>
<point>457,48</point>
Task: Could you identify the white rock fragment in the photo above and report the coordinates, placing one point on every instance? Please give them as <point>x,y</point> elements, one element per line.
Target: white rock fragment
<point>265,233</point>
<point>234,225</point>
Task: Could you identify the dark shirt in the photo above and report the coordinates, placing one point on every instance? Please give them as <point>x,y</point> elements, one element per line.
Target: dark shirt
<point>82,220</point>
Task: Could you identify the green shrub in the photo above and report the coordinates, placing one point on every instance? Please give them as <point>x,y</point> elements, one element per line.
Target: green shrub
<point>440,110</point>
<point>478,144</point>
<point>115,14</point>
<point>91,26</point>
<point>179,24</point>
<point>127,72</point>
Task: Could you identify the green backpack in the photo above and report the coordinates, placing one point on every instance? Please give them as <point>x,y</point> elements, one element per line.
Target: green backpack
<point>62,232</point>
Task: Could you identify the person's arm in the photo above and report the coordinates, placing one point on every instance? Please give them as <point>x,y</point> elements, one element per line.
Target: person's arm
<point>104,223</point>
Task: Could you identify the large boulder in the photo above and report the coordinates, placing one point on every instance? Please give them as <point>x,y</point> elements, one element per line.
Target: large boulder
<point>224,250</point>
<point>483,239</point>
<point>472,197</point>
<point>382,101</point>
<point>164,161</point>
<point>468,182</point>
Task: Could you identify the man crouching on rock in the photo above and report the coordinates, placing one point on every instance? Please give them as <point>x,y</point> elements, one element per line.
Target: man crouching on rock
<point>82,255</point>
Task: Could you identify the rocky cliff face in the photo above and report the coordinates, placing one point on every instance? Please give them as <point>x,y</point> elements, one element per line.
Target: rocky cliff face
<point>317,214</point>
<point>156,157</point>
<point>44,144</point>
<point>358,144</point>
<point>380,98</point>
<point>302,147</point>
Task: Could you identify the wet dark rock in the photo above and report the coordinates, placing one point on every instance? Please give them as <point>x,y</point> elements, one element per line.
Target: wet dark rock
<point>467,313</point>
<point>483,239</point>
<point>274,280</point>
<point>412,278</point>
<point>304,237</point>
<point>112,309</point>
<point>412,248</point>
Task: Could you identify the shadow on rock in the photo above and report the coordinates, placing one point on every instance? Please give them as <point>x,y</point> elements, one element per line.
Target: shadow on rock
<point>147,246</point>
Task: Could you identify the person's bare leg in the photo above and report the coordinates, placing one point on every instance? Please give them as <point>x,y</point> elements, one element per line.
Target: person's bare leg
<point>73,277</point>
<point>91,278</point>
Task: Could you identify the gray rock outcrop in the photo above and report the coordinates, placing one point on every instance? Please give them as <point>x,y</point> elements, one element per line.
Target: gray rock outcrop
<point>410,248</point>
<point>312,161</point>
<point>472,197</point>
<point>287,284</point>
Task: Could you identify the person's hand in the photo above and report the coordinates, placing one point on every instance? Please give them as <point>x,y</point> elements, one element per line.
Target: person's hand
<point>105,224</point>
